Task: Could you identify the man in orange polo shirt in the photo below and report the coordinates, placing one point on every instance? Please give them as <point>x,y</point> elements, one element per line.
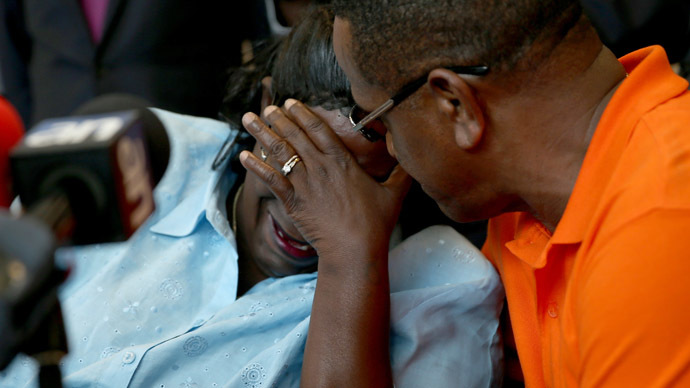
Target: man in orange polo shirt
<point>602,301</point>
<point>514,111</point>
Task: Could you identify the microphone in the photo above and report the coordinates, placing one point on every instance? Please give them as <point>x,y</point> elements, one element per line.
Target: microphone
<point>11,130</point>
<point>89,178</point>
<point>101,163</point>
<point>154,132</point>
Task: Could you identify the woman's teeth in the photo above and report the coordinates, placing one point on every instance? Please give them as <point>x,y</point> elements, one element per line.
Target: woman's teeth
<point>291,246</point>
<point>291,241</point>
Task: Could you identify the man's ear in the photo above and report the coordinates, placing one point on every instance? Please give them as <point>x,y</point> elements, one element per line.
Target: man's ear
<point>456,99</point>
<point>266,94</point>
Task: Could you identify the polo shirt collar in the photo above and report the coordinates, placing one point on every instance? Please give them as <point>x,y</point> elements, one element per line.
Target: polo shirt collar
<point>650,82</point>
<point>531,241</point>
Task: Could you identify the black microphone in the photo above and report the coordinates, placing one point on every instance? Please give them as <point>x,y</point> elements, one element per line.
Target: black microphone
<point>154,132</point>
<point>102,163</point>
<point>87,178</point>
<point>30,315</point>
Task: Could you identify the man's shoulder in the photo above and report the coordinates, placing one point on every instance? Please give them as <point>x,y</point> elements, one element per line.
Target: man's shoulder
<point>640,157</point>
<point>654,169</point>
<point>645,200</point>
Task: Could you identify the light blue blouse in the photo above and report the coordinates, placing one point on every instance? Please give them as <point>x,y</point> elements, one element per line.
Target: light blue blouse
<point>160,310</point>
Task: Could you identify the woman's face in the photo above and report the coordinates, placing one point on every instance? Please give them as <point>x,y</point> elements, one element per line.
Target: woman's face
<point>266,233</point>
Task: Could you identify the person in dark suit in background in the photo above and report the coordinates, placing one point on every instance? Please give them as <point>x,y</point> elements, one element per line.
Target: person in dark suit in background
<point>56,55</point>
<point>628,25</point>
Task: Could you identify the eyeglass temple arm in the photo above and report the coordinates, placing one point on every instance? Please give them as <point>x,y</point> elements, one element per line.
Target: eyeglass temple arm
<point>410,88</point>
<point>374,115</point>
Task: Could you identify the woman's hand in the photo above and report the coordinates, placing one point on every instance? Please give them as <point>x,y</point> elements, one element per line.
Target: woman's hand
<point>335,205</point>
<point>348,217</point>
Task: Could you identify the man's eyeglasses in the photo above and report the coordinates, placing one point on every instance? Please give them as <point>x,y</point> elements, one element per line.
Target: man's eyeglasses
<point>360,118</point>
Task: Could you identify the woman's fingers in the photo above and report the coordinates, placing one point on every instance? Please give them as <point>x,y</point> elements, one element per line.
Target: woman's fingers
<point>282,155</point>
<point>287,129</point>
<point>326,190</point>
<point>279,184</point>
<point>319,132</point>
<point>279,149</point>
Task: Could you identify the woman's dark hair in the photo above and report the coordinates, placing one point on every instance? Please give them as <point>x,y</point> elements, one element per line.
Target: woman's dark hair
<point>243,90</point>
<point>305,67</point>
<point>302,66</point>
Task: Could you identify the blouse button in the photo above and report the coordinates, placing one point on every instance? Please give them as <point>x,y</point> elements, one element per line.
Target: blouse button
<point>129,358</point>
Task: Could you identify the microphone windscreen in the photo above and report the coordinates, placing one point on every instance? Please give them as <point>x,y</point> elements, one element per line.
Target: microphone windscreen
<point>99,162</point>
<point>154,132</point>
<point>11,130</point>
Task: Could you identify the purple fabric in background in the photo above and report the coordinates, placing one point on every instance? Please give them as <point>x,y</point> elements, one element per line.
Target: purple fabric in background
<point>95,10</point>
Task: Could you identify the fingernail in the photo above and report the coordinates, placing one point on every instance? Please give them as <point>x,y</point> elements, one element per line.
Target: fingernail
<point>248,118</point>
<point>290,102</point>
<point>269,109</point>
<point>244,155</point>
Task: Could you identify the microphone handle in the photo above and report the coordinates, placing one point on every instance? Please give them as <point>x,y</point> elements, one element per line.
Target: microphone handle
<point>55,212</point>
<point>49,376</point>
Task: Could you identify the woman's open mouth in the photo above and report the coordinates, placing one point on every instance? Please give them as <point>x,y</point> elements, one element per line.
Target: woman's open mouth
<point>291,246</point>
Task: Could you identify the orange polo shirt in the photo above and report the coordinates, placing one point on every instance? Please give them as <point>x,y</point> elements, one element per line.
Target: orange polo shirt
<point>605,300</point>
